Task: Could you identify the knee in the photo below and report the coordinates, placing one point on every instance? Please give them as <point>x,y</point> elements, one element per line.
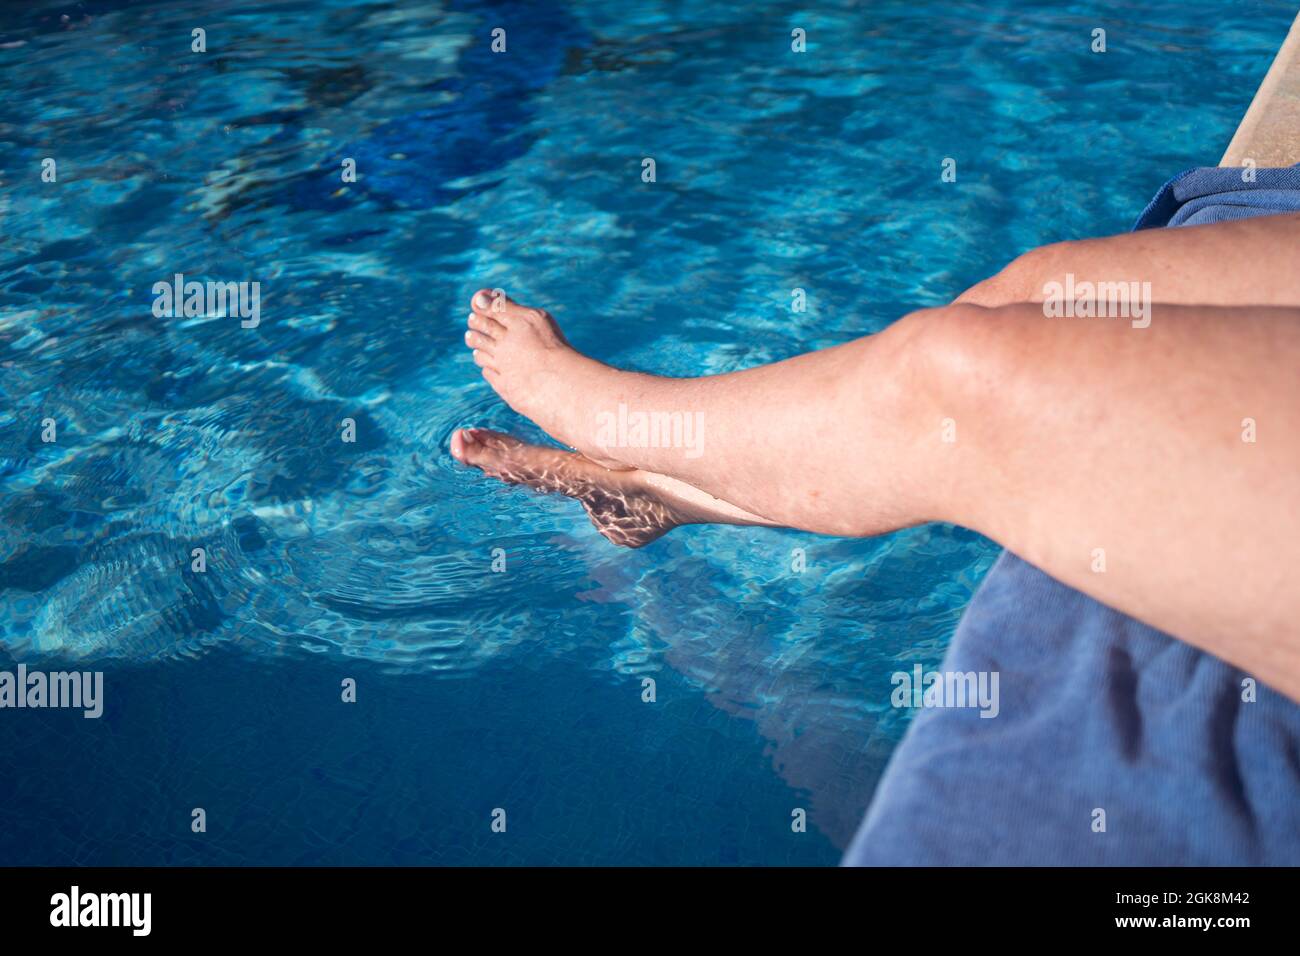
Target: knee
<point>934,393</point>
<point>963,355</point>
<point>967,370</point>
<point>1020,281</point>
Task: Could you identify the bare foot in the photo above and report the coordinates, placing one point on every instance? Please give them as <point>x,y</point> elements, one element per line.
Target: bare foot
<point>528,362</point>
<point>623,505</point>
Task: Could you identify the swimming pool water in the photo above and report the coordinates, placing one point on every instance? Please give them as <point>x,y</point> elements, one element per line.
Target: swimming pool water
<point>372,560</point>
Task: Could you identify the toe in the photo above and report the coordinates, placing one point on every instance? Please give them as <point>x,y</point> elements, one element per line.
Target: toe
<point>486,301</point>
<point>477,340</point>
<point>474,446</point>
<point>462,440</point>
<point>482,359</point>
<point>498,442</point>
<point>488,326</point>
<point>495,304</point>
<point>494,453</point>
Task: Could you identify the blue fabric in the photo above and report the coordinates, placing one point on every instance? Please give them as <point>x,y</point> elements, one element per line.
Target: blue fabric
<point>1097,711</point>
<point>1200,196</point>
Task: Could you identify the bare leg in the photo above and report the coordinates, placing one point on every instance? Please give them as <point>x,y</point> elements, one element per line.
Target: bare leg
<point>1232,262</point>
<point>1241,262</point>
<point>774,437</point>
<point>1071,436</point>
<point>1225,262</point>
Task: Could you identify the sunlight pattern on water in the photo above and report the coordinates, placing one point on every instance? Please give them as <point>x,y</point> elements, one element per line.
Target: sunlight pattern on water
<point>775,171</point>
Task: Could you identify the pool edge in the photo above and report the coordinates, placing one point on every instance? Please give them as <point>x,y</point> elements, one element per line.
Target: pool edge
<point>1269,133</point>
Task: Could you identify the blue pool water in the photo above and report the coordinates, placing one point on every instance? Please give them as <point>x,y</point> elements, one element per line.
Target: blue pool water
<point>373,560</point>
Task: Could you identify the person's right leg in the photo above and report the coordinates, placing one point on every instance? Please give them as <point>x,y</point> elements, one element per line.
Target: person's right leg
<point>1239,262</point>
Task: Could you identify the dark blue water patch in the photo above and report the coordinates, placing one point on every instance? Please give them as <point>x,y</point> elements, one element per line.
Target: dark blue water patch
<point>35,568</point>
<point>409,774</point>
<point>481,121</point>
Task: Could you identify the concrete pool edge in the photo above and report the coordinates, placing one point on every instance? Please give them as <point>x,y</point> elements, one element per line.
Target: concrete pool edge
<point>1269,133</point>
